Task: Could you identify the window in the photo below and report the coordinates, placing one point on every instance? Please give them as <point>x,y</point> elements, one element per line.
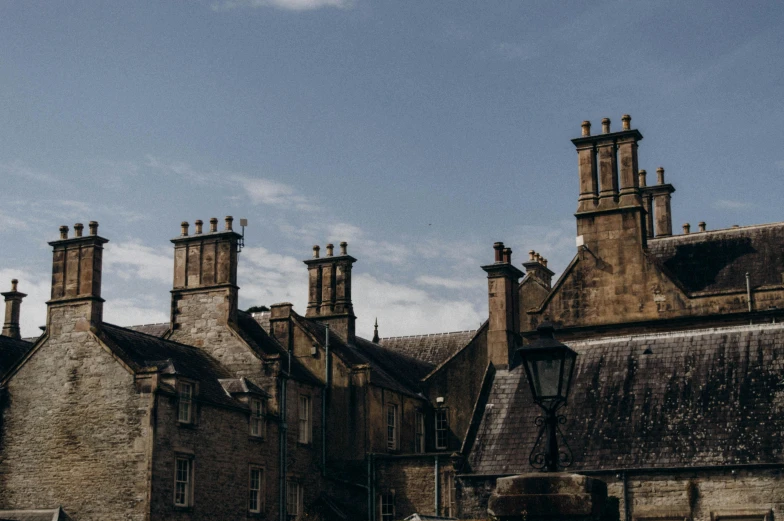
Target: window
<point>387,504</point>
<point>258,424</point>
<point>442,428</point>
<point>183,481</point>
<point>293,498</point>
<point>419,433</point>
<point>305,433</point>
<point>256,490</point>
<point>392,429</point>
<point>185,412</point>
<point>449,495</point>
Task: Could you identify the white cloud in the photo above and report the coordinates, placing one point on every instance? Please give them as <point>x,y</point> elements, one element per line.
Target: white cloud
<point>452,283</point>
<point>266,278</point>
<point>727,204</point>
<point>134,311</point>
<point>406,310</point>
<point>134,260</point>
<point>19,169</point>
<point>266,191</point>
<point>291,5</point>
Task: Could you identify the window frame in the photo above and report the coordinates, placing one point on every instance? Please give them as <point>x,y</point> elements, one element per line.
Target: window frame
<point>444,429</point>
<point>448,491</point>
<point>260,492</point>
<point>305,424</point>
<point>293,484</point>
<point>188,488</point>
<point>386,505</point>
<point>393,428</point>
<point>258,418</point>
<point>419,432</point>
<point>188,402</point>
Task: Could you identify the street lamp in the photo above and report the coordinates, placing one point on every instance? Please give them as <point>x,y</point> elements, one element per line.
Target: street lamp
<point>549,365</point>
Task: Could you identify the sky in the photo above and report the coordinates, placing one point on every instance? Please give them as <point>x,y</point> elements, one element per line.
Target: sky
<point>419,132</point>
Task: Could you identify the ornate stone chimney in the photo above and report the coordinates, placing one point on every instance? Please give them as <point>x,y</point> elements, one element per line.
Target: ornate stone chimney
<point>537,267</point>
<point>13,304</point>
<point>503,304</point>
<point>76,275</point>
<point>329,290</point>
<point>205,279</point>
<point>660,213</point>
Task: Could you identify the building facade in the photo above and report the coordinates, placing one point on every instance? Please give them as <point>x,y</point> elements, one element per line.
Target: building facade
<point>222,414</point>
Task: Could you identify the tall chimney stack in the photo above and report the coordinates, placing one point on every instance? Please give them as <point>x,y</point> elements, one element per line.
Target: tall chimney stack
<point>76,273</point>
<point>13,304</point>
<point>329,290</point>
<point>503,304</point>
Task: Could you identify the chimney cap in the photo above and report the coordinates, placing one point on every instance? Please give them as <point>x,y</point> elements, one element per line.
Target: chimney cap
<point>93,227</point>
<point>316,249</point>
<point>586,128</point>
<point>63,232</point>
<point>228,220</point>
<point>343,248</point>
<point>14,282</point>
<point>78,227</point>
<point>605,125</point>
<point>626,121</point>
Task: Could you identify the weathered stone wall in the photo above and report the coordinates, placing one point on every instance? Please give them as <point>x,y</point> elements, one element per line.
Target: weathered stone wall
<point>201,319</point>
<point>413,480</point>
<point>379,398</point>
<point>459,381</point>
<point>74,429</point>
<point>700,495</point>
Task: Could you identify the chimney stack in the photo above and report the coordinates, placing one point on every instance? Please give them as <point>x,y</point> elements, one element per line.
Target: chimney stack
<point>76,272</point>
<point>13,304</point>
<point>537,268</point>
<point>329,290</point>
<point>204,263</point>
<point>503,304</point>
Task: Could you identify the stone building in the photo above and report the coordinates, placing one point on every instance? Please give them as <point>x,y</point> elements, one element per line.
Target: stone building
<point>221,414</point>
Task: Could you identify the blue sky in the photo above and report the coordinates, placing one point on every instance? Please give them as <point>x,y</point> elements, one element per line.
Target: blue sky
<point>420,132</point>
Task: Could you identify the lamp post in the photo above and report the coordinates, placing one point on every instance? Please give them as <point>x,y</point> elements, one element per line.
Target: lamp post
<point>549,366</point>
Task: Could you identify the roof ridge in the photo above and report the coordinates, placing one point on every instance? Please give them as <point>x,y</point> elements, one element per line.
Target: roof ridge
<point>424,335</point>
<point>719,230</point>
<point>685,332</point>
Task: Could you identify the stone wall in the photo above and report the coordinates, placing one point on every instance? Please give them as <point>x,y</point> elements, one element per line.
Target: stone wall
<point>696,495</point>
<point>413,481</point>
<point>75,430</point>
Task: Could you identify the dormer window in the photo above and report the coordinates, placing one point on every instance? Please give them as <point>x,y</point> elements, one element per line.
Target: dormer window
<point>258,424</point>
<point>185,409</point>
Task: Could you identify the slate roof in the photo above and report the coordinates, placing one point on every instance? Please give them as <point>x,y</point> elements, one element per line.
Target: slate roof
<point>388,369</point>
<point>11,351</point>
<point>142,351</point>
<point>241,386</point>
<point>433,349</point>
<point>158,330</point>
<point>701,398</point>
<point>718,260</point>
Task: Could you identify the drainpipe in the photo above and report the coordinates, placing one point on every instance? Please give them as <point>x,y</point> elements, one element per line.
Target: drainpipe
<point>437,494</point>
<point>328,380</point>
<point>283,444</point>
<point>748,292</point>
<point>371,488</point>
<point>626,506</point>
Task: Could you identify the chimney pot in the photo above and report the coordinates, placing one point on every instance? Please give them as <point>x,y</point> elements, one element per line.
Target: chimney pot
<point>198,223</point>
<point>343,248</point>
<point>586,126</point>
<point>499,248</point>
<point>702,226</point>
<point>642,174</point>
<point>660,175</point>
<point>508,255</point>
<point>686,228</point>
<point>316,249</point>
<point>531,255</point>
<point>606,126</point>
<point>184,226</point>
<point>736,225</point>
<point>78,227</point>
<point>229,219</point>
<point>14,282</point>
<point>544,261</point>
<point>330,249</point>
<point>213,224</point>
<point>63,232</point>
<point>93,227</point>
<point>626,121</point>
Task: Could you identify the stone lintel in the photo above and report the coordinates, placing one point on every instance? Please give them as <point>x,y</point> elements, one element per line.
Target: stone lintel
<point>503,269</point>
<point>657,189</point>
